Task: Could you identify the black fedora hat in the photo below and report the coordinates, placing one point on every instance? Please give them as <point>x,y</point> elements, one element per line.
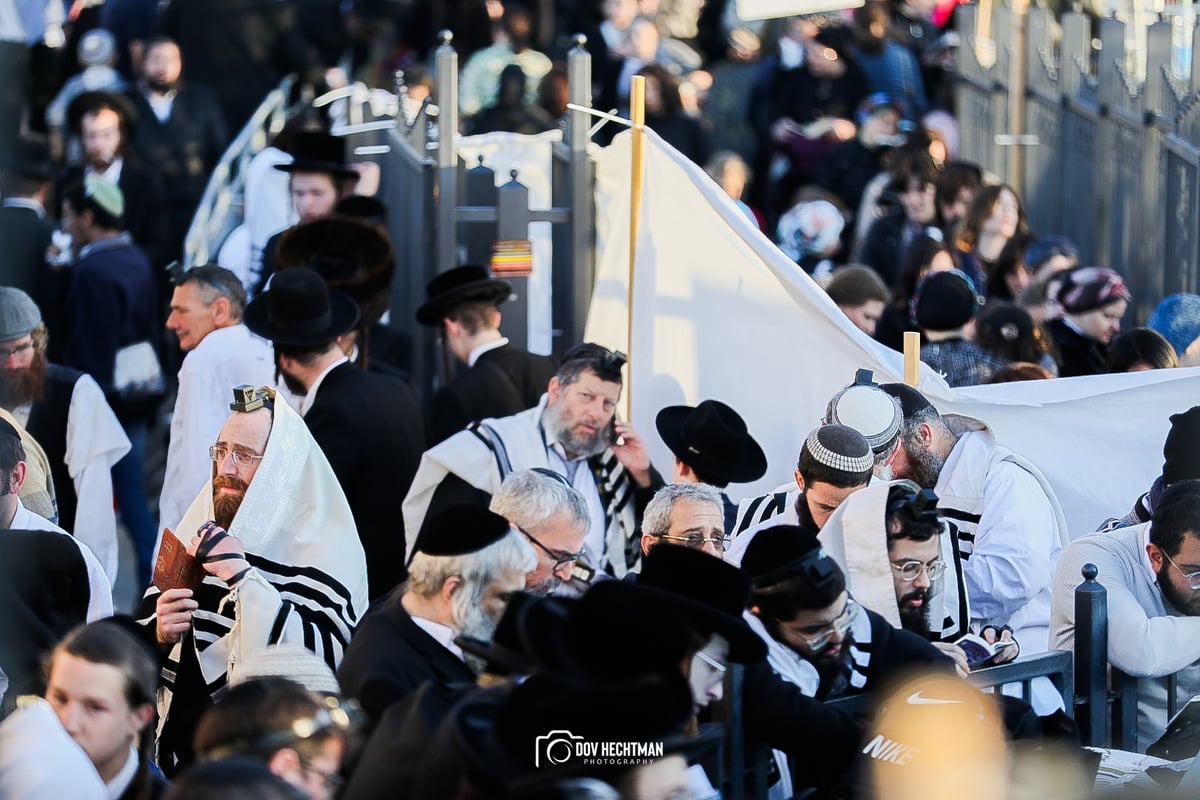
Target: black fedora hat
<point>89,102</point>
<point>314,151</point>
<point>350,254</point>
<point>712,439</point>
<point>468,283</point>
<point>298,308</point>
<point>30,158</point>
<point>708,592</point>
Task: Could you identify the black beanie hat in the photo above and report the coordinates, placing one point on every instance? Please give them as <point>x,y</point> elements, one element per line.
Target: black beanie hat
<point>1181,450</point>
<point>945,301</point>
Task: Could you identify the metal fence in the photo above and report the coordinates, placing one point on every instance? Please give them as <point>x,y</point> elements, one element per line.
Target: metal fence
<point>1110,160</point>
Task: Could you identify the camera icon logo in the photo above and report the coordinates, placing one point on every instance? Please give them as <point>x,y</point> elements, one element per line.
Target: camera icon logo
<point>554,749</point>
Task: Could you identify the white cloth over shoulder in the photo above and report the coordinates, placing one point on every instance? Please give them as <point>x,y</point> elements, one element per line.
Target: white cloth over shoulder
<point>38,760</point>
<point>95,441</point>
<point>225,358</point>
<point>100,602</point>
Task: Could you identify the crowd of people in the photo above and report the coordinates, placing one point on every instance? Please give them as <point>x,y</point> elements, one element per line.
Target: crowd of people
<point>344,593</point>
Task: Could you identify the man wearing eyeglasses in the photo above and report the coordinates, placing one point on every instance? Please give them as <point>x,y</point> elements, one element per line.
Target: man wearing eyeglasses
<point>552,517</point>
<point>687,515</point>
<point>206,316</point>
<point>1152,575</point>
<point>573,431</point>
<point>820,641</point>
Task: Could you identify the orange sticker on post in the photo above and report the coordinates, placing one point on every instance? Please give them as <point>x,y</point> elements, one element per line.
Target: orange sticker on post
<point>512,258</point>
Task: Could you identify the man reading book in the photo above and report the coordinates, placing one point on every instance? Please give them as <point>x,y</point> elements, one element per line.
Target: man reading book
<point>282,562</point>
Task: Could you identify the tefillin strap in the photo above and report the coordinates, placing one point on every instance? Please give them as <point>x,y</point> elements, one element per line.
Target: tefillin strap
<point>918,507</point>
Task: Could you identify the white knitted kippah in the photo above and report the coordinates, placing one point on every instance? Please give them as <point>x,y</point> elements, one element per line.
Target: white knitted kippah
<point>869,410</point>
<point>840,447</point>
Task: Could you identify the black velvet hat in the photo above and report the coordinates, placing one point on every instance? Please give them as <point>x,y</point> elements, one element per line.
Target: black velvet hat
<point>708,592</point>
<point>466,284</point>
<point>30,158</point>
<point>298,308</point>
<point>313,151</point>
<point>460,530</point>
<point>350,254</point>
<point>89,102</point>
<point>712,439</point>
<point>1181,450</point>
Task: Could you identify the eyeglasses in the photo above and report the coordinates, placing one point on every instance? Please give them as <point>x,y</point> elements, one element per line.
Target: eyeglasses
<point>1192,578</point>
<point>240,457</point>
<point>817,638</point>
<point>694,541</point>
<point>10,352</point>
<point>561,560</point>
<point>911,570</point>
<point>711,662</point>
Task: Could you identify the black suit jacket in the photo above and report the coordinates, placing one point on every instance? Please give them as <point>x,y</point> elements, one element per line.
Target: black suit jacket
<point>369,427</point>
<point>24,237</point>
<point>390,657</point>
<point>503,382</point>
<point>145,205</point>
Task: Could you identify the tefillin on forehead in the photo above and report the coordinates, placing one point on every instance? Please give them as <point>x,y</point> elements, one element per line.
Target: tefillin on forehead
<point>246,398</point>
<point>604,362</point>
<point>919,506</point>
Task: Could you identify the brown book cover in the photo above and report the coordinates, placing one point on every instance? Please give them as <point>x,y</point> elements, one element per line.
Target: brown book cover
<point>176,569</point>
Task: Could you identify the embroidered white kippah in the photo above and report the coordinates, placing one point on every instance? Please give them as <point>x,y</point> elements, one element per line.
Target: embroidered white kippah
<point>846,463</point>
<point>870,411</point>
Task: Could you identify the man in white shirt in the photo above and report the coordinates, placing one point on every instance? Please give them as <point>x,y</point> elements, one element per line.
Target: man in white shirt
<point>1152,575</point>
<point>206,316</point>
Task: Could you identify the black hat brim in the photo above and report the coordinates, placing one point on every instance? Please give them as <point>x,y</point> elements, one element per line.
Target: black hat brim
<point>750,465</point>
<point>745,646</point>
<point>491,290</point>
<point>126,111</point>
<point>343,317</point>
<point>334,168</point>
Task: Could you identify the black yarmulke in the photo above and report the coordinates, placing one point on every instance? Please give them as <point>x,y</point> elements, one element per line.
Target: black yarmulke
<point>460,530</point>
<point>776,546</point>
<point>911,401</point>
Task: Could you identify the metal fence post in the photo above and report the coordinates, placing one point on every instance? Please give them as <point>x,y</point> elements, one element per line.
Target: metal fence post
<point>1091,657</point>
<point>512,222</point>
<point>446,80</point>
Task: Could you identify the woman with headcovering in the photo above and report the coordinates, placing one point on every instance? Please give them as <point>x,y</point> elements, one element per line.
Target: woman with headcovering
<point>1093,300</point>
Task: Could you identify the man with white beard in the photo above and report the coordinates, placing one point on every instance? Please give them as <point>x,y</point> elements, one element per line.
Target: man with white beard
<point>466,564</point>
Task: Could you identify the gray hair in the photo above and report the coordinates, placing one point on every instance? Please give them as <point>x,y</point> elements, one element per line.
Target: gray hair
<point>511,553</point>
<point>656,520</point>
<point>213,281</point>
<point>529,497</point>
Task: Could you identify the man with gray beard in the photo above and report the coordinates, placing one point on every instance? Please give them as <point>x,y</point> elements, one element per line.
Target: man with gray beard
<point>553,517</point>
<point>574,432</point>
<point>467,563</point>
<point>1011,528</point>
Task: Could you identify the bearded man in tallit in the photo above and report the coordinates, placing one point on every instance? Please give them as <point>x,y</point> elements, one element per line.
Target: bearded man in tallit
<point>282,560</point>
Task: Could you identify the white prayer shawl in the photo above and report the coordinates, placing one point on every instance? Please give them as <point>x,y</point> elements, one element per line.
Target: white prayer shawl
<point>855,536</point>
<point>308,584</point>
<point>100,602</point>
<point>798,671</point>
<point>779,502</point>
<point>484,454</point>
<point>38,759</point>
<point>970,494</point>
<point>95,442</point>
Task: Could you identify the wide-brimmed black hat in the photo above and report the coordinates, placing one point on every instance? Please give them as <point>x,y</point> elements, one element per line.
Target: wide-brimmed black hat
<point>352,256</point>
<point>29,157</point>
<point>298,308</point>
<point>88,102</point>
<point>712,439</point>
<point>466,284</point>
<point>313,151</point>
<point>706,591</point>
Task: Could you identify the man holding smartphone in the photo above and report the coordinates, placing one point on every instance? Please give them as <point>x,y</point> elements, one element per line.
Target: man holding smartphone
<point>571,432</point>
